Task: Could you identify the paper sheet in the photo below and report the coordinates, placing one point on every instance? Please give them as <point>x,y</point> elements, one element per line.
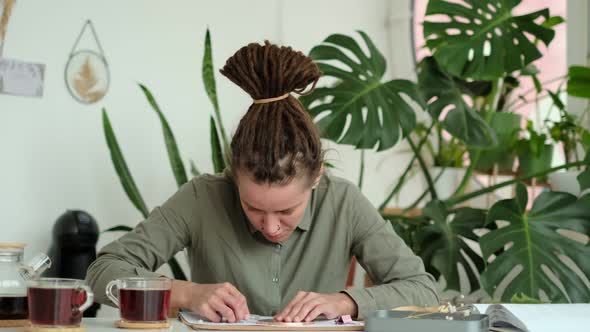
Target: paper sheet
<point>195,319</point>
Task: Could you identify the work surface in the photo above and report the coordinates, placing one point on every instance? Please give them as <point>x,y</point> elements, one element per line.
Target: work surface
<point>107,325</point>
<point>538,318</point>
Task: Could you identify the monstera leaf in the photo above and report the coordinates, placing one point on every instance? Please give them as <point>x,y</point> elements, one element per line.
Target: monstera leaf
<point>376,111</point>
<point>482,39</point>
<point>532,243</point>
<point>442,246</point>
<point>441,90</point>
<point>584,176</point>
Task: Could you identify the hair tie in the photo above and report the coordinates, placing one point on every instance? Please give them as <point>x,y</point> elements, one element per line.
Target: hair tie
<point>270,100</point>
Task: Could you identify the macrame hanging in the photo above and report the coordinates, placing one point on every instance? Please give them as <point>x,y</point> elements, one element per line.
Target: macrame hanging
<point>87,72</point>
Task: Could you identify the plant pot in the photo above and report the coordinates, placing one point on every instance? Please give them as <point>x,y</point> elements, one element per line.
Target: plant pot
<point>565,181</point>
<point>506,126</point>
<point>530,163</point>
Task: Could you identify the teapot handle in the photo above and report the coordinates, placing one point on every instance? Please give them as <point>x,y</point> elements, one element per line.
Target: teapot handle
<point>36,266</point>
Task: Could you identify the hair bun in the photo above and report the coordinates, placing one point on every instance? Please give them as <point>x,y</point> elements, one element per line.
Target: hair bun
<point>268,71</point>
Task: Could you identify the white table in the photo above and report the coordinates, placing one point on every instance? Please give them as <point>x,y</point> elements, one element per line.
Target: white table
<point>107,325</point>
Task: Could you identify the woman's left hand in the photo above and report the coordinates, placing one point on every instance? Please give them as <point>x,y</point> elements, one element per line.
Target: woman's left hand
<point>307,306</point>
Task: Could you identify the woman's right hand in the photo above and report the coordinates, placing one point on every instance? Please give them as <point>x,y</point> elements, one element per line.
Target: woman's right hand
<point>212,301</point>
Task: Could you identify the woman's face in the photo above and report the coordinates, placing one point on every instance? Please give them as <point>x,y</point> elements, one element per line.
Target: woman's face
<point>274,209</point>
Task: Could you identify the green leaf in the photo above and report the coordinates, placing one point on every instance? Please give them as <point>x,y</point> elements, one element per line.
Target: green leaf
<point>216,151</point>
<point>556,100</point>
<point>482,39</point>
<point>530,70</point>
<point>120,228</point>
<point>121,167</point>
<point>538,86</point>
<point>442,247</point>
<point>194,169</point>
<point>210,87</point>
<point>553,21</point>
<point>173,154</point>
<point>359,89</point>
<point>442,90</point>
<point>585,138</point>
<point>523,299</point>
<point>584,179</point>
<point>578,84</point>
<point>531,242</point>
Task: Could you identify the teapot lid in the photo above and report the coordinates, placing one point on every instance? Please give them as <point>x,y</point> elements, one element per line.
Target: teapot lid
<point>15,245</point>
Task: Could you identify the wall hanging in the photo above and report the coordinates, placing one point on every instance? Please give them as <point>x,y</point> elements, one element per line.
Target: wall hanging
<point>17,77</point>
<point>87,72</point>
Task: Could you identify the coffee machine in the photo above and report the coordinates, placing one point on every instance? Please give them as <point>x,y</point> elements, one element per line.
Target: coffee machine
<point>73,248</point>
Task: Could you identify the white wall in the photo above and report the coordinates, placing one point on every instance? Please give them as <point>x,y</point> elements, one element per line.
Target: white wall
<point>578,45</point>
<point>53,152</point>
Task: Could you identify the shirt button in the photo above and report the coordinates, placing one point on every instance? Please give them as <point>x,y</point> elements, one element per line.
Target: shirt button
<point>275,280</point>
<point>278,246</point>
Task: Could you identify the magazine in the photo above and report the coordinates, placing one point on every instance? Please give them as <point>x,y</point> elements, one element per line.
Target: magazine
<point>537,317</point>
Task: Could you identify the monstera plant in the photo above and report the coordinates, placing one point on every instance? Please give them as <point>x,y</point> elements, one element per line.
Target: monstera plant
<point>388,116</point>
<point>176,163</point>
<point>534,242</point>
<point>483,39</point>
<point>476,48</point>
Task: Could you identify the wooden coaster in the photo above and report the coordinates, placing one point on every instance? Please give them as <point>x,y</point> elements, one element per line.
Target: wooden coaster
<point>123,324</point>
<point>33,328</point>
<point>14,323</point>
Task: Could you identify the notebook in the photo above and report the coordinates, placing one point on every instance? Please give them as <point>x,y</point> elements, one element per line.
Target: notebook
<point>197,322</point>
<point>537,317</point>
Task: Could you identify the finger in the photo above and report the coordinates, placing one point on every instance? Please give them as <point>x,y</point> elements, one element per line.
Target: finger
<point>318,310</point>
<point>281,315</point>
<point>207,312</point>
<point>297,307</point>
<point>289,308</point>
<point>306,307</point>
<point>240,300</point>
<point>237,304</point>
<point>219,305</point>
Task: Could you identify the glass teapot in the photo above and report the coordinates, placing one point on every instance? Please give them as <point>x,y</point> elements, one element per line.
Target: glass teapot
<point>13,276</point>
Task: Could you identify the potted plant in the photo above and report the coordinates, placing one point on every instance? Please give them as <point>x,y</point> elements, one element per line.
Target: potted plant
<point>446,154</point>
<point>535,153</point>
<point>506,125</point>
<point>572,137</point>
<point>480,41</point>
<point>177,165</point>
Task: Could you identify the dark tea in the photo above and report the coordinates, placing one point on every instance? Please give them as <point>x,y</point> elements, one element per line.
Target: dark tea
<point>55,306</point>
<point>145,305</point>
<point>13,307</point>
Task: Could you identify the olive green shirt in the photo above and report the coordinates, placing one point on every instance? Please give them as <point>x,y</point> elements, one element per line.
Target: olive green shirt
<point>205,217</point>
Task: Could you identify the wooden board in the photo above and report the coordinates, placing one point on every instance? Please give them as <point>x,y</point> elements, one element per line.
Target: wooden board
<point>14,323</point>
<point>122,324</point>
<point>222,327</point>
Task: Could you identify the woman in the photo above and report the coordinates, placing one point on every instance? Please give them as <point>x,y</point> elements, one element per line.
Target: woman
<point>273,234</point>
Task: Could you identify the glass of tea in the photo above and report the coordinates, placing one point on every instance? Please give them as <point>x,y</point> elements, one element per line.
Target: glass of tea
<point>144,300</point>
<point>57,302</point>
